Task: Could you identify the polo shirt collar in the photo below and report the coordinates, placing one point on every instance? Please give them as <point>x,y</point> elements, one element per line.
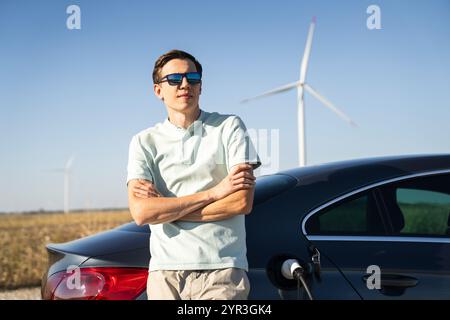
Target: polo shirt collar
<point>182,131</point>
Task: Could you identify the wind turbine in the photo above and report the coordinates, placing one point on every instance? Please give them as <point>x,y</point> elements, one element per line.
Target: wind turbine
<point>302,86</point>
<point>66,170</point>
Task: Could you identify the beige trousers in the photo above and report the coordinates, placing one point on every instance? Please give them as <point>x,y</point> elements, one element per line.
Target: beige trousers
<point>221,284</point>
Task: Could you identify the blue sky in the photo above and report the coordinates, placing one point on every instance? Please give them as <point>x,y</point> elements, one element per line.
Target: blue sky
<point>87,92</point>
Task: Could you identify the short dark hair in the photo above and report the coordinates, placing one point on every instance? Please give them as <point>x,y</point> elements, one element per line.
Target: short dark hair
<point>173,54</point>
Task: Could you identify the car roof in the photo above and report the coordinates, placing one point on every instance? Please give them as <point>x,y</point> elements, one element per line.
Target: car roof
<point>373,168</point>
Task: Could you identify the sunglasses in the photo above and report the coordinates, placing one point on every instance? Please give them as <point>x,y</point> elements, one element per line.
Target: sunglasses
<point>175,79</point>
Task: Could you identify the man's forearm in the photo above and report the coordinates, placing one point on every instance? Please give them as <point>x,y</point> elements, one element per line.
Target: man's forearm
<point>167,209</point>
<point>232,196</point>
<point>239,202</point>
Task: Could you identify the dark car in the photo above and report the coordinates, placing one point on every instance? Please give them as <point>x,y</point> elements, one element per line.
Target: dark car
<point>373,228</point>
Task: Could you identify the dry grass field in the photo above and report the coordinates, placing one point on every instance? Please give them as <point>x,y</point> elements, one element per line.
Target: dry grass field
<point>23,237</point>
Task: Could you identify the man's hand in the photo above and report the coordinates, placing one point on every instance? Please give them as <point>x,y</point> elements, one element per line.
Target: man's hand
<point>240,177</point>
<point>145,189</point>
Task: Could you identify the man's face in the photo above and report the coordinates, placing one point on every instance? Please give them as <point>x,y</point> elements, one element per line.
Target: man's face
<point>179,97</point>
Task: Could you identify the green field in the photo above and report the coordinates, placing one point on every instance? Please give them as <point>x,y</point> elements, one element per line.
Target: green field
<point>23,257</point>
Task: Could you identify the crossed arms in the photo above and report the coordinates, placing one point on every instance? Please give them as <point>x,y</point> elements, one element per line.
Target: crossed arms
<point>232,196</point>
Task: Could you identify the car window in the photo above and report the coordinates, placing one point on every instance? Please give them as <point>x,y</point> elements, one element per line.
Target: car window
<point>357,215</point>
<point>419,206</point>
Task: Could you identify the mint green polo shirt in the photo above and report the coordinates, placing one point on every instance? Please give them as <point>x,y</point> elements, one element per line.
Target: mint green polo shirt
<point>182,162</point>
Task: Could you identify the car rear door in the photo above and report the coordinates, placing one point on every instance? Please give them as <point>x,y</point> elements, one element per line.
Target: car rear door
<point>390,240</point>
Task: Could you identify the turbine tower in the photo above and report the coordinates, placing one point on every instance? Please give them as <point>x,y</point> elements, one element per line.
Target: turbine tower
<point>66,170</point>
<point>302,86</point>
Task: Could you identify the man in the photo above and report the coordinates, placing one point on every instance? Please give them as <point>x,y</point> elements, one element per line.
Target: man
<point>191,179</point>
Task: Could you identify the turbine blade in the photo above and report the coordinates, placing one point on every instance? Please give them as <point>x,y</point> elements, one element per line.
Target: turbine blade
<point>328,104</point>
<point>304,64</point>
<point>274,91</point>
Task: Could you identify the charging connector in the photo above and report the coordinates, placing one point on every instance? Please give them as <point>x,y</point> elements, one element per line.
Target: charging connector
<point>292,269</point>
<point>289,267</point>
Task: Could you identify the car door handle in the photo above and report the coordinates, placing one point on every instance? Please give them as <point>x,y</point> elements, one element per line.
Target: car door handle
<point>395,280</point>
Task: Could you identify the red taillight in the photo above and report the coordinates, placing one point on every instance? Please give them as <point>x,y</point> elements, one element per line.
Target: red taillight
<point>96,284</point>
